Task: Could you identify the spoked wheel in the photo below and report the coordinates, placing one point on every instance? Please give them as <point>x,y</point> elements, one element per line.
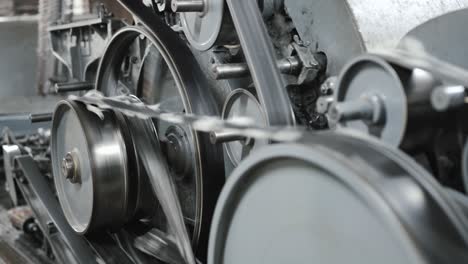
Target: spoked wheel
<point>159,69</point>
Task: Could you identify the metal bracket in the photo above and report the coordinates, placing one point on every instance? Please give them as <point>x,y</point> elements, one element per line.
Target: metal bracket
<point>68,247</point>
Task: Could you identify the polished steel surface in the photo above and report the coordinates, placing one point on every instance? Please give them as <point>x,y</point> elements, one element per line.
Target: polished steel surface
<point>90,167</point>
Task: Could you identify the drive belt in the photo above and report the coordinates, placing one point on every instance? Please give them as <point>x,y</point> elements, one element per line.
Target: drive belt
<point>242,126</point>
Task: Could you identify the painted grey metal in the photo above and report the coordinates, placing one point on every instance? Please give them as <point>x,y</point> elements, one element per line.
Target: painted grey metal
<point>9,154</point>
<point>18,44</point>
<point>335,198</point>
<point>79,45</point>
<point>203,27</point>
<point>243,104</point>
<point>346,28</point>
<point>207,25</point>
<point>260,57</point>
<point>368,76</point>
<point>403,84</point>
<point>68,247</point>
<point>444,37</point>
<point>15,111</point>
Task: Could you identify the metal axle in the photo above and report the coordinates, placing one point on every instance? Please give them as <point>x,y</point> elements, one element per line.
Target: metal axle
<point>237,70</point>
<point>73,87</point>
<point>188,5</point>
<point>448,97</point>
<point>38,118</point>
<point>224,137</point>
<point>366,108</point>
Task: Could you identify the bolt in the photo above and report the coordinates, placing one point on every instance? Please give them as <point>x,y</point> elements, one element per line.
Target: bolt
<point>51,228</point>
<point>70,168</point>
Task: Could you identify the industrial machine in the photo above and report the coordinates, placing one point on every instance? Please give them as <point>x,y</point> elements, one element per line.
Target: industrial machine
<point>248,131</point>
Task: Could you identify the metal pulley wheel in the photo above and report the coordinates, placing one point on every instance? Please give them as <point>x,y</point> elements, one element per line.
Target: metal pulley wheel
<point>335,198</point>
<point>153,64</point>
<point>381,99</point>
<point>241,103</point>
<point>206,24</point>
<point>94,167</point>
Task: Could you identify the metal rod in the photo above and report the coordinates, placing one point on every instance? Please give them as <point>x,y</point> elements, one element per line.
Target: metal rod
<point>188,5</point>
<point>359,109</point>
<point>73,87</point>
<point>38,118</point>
<point>223,137</point>
<point>448,97</point>
<point>238,70</point>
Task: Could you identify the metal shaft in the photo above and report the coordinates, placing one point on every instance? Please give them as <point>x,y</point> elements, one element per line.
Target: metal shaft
<point>237,70</point>
<point>188,5</point>
<point>223,137</point>
<point>448,97</point>
<point>73,87</point>
<point>367,108</point>
<point>38,118</point>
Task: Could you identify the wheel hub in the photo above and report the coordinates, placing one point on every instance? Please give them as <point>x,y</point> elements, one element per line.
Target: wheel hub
<point>70,168</point>
<point>179,151</point>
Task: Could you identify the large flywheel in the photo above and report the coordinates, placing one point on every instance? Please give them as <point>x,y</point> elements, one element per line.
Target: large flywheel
<point>335,198</point>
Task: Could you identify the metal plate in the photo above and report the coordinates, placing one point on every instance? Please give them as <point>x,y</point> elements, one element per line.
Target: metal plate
<point>334,198</point>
